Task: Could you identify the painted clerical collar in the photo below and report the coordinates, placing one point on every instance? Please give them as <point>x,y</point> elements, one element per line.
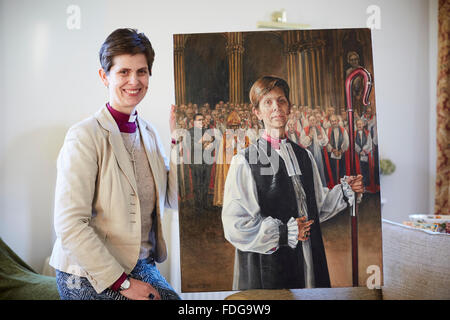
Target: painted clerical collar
<point>274,142</point>
<point>125,122</point>
<point>286,152</point>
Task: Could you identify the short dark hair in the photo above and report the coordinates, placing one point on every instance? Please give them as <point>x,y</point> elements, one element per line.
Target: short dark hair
<point>125,41</point>
<point>198,115</point>
<point>264,85</point>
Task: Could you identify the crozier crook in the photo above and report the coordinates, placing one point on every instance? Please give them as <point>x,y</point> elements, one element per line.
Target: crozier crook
<point>367,79</point>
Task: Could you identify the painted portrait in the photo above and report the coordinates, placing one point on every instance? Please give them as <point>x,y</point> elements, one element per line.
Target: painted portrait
<point>277,159</point>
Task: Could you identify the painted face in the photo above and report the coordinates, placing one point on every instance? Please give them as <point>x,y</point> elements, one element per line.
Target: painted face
<point>360,124</point>
<point>198,122</point>
<point>207,120</point>
<point>354,60</point>
<point>334,122</point>
<point>127,81</point>
<point>273,109</point>
<point>312,121</point>
<point>181,124</point>
<point>291,126</point>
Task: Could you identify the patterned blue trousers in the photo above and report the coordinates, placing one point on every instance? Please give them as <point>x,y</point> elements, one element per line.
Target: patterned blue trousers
<point>72,287</point>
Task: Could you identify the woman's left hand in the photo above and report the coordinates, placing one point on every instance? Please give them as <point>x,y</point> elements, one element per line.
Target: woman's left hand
<point>356,183</point>
<point>172,119</point>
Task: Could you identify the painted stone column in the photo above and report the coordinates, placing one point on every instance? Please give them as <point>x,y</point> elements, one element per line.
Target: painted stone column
<point>235,52</point>
<point>294,76</point>
<point>179,41</point>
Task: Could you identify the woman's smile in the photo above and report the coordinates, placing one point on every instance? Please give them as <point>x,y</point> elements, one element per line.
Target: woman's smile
<point>132,92</point>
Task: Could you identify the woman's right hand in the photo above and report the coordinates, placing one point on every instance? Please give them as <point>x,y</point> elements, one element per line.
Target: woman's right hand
<point>304,228</point>
<point>140,290</point>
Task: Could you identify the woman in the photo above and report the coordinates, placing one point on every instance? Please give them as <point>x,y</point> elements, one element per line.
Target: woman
<point>113,183</point>
<point>274,198</point>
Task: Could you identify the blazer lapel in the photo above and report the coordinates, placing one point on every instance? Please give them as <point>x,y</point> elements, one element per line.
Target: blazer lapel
<point>106,120</point>
<point>150,150</point>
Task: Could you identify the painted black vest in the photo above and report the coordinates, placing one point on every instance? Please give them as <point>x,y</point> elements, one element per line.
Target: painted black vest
<point>340,139</point>
<point>359,142</point>
<point>283,268</point>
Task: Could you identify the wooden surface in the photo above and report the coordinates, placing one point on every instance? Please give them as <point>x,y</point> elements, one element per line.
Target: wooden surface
<point>356,293</point>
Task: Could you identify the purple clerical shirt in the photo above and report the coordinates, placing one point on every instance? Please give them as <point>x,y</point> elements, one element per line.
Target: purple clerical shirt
<point>122,120</point>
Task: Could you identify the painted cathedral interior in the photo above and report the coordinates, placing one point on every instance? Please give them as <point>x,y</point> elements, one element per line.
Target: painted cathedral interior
<point>213,76</point>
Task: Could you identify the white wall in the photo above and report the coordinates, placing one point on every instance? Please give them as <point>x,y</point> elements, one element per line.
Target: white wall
<point>433,59</point>
<point>49,81</point>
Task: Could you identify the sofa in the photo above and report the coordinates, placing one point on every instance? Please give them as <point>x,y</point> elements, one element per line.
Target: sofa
<point>18,281</point>
<point>416,266</point>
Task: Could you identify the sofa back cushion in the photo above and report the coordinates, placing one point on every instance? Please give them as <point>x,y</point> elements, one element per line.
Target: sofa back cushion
<point>416,263</point>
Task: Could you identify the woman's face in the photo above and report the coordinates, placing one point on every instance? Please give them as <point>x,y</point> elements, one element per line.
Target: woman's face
<point>127,81</point>
<point>273,109</point>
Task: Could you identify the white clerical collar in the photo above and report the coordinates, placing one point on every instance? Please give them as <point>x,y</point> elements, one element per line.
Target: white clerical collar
<point>132,117</point>
<point>287,153</point>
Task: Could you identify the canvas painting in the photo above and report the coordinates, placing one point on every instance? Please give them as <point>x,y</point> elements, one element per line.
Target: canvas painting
<point>277,160</point>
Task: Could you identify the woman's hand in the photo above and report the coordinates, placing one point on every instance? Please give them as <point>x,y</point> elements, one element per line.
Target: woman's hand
<point>356,183</point>
<point>172,119</point>
<point>140,290</point>
<point>303,228</point>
